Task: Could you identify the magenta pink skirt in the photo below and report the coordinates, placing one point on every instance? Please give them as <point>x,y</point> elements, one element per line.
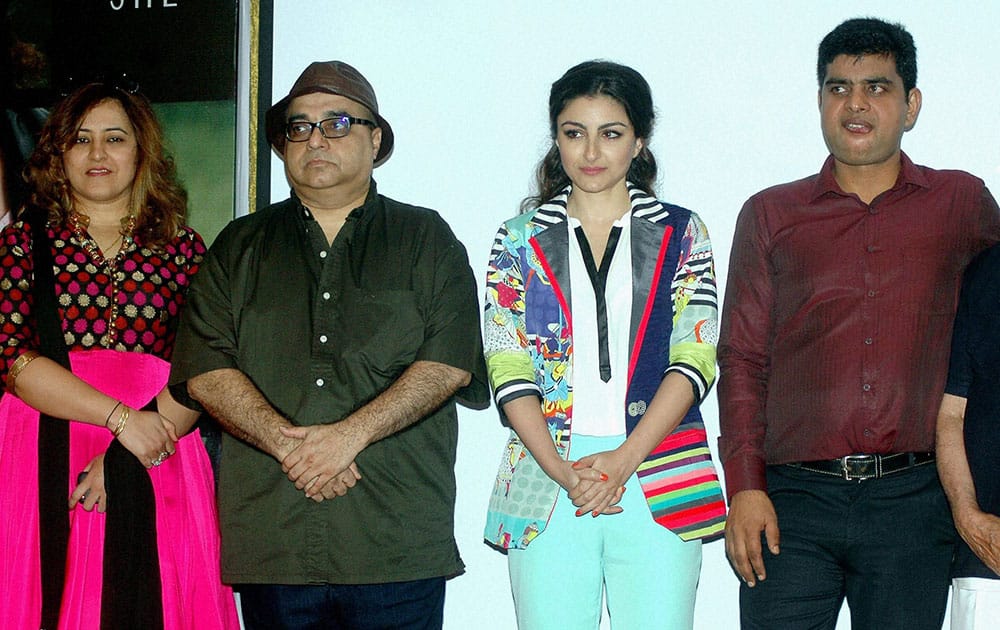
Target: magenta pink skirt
<point>186,521</point>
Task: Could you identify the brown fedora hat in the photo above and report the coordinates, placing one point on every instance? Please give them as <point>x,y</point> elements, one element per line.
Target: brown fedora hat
<point>332,77</point>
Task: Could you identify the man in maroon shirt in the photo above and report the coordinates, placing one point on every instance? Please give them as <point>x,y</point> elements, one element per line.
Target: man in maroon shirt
<point>834,351</point>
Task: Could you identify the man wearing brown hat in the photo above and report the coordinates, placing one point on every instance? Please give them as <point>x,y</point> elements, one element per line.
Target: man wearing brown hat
<point>330,334</point>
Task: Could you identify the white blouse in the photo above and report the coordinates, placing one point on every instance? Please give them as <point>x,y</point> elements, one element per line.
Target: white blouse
<point>599,406</point>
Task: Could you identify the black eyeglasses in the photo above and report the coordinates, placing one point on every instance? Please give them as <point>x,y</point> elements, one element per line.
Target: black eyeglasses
<point>301,130</point>
<point>121,82</point>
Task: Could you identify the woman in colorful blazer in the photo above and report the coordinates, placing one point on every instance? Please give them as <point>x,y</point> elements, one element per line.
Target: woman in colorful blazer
<point>600,330</point>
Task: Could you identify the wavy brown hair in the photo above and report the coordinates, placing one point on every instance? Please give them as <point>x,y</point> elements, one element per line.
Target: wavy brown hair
<point>158,201</point>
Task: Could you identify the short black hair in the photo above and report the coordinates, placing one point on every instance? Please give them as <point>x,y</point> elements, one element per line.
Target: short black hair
<point>870,36</point>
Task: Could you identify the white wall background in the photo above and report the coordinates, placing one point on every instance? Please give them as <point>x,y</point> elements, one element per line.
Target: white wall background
<point>465,86</point>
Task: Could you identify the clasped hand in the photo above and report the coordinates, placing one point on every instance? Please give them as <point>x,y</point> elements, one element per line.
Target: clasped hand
<point>321,460</point>
<point>149,436</point>
<point>595,483</point>
<point>89,492</point>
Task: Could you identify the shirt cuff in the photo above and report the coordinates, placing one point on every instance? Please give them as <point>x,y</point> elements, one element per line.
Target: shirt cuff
<point>516,389</point>
<point>744,472</point>
<point>697,362</point>
<point>698,385</point>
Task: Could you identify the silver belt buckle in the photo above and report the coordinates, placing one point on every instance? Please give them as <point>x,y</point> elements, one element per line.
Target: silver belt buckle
<point>846,459</point>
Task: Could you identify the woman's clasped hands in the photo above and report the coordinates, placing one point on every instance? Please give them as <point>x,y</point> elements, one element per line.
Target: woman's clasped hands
<point>596,483</point>
<point>148,435</point>
<point>89,492</point>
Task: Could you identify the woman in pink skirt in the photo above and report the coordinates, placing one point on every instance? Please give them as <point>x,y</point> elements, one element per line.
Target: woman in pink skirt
<point>107,496</point>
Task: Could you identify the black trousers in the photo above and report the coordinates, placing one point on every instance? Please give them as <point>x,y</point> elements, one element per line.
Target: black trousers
<point>883,544</point>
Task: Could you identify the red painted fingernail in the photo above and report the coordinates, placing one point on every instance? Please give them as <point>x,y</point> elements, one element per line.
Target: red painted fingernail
<point>594,513</point>
<point>624,489</point>
<point>579,512</point>
<point>604,477</point>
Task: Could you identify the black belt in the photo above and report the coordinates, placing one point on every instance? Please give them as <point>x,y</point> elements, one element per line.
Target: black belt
<point>861,467</point>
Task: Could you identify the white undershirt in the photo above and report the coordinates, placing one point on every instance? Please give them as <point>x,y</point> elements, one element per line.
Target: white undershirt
<point>599,407</point>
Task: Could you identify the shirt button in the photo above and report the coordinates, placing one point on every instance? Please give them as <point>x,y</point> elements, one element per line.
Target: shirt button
<point>322,338</point>
<point>872,210</point>
<point>868,341</point>
<point>871,249</point>
<point>871,294</point>
<point>326,295</point>
<point>322,254</point>
<point>868,432</point>
<point>319,382</point>
<point>866,387</point>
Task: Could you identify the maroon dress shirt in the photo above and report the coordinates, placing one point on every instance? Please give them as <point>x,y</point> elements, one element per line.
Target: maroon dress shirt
<point>837,319</point>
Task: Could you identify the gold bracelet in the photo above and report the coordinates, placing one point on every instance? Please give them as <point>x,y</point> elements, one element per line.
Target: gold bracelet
<point>107,421</point>
<point>18,366</point>
<point>122,419</point>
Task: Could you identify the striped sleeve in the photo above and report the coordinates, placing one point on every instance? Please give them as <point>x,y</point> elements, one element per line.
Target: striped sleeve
<point>508,362</point>
<point>696,310</point>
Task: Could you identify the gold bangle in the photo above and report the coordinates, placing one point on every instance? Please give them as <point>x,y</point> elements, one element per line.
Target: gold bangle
<point>107,421</point>
<point>122,419</point>
<point>18,366</point>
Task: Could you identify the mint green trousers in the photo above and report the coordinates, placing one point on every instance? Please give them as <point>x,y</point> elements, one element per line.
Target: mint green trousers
<point>645,573</point>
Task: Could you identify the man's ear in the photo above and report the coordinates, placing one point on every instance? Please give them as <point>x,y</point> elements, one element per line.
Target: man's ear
<point>376,141</point>
<point>913,102</point>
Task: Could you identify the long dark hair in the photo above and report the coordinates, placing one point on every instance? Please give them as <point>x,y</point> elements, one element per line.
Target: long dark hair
<point>158,202</point>
<point>593,78</point>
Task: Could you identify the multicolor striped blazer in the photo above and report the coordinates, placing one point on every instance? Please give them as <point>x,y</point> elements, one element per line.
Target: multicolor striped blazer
<point>528,339</point>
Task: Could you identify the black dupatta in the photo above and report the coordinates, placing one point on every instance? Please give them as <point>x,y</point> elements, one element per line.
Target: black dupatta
<point>131,595</point>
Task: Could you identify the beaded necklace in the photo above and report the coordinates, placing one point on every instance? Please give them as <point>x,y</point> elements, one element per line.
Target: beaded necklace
<point>78,223</point>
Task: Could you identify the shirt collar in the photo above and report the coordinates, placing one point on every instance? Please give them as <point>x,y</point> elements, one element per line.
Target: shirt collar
<point>638,199</point>
<point>909,174</point>
<point>370,199</point>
